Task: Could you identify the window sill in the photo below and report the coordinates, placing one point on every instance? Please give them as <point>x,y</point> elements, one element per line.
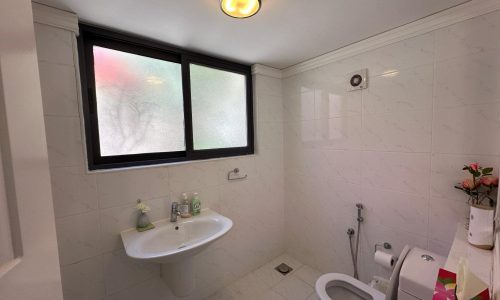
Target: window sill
<point>122,169</point>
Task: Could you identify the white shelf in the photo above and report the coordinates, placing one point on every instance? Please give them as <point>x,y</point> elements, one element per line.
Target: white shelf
<point>480,261</point>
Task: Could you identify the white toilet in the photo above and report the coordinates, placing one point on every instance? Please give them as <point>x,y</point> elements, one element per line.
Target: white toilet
<point>413,277</point>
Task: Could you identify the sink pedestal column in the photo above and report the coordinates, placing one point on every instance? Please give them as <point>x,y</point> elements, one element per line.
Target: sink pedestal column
<point>179,276</point>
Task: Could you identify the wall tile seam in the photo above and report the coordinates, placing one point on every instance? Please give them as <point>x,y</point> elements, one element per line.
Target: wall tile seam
<point>398,229</point>
<point>58,116</point>
<point>100,255</point>
<point>434,152</point>
<point>382,189</point>
<point>461,57</point>
<point>433,112</point>
<point>463,154</point>
<point>129,287</point>
<point>53,115</point>
<point>49,62</point>
<point>131,205</point>
<point>53,63</point>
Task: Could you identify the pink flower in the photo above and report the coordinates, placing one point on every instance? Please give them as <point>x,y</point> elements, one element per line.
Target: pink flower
<point>474,166</point>
<point>489,181</point>
<point>469,184</point>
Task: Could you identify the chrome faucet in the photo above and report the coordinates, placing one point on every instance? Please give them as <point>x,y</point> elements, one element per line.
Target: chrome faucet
<point>174,212</point>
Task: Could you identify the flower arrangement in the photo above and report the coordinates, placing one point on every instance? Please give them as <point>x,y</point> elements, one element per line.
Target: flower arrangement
<point>481,186</point>
<point>143,222</point>
<point>143,208</point>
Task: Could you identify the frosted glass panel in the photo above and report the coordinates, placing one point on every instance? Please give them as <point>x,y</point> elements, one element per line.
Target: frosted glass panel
<point>139,103</point>
<point>219,108</point>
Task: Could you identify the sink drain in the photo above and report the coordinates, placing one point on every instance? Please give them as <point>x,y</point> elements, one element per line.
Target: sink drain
<point>283,268</point>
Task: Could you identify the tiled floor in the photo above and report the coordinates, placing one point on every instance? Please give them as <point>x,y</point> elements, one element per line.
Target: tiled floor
<point>266,283</point>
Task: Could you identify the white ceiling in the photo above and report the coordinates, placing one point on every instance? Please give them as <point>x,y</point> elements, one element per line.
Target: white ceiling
<point>283,33</point>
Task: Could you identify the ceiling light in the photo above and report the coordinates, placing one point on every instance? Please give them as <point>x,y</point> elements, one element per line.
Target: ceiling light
<point>240,8</point>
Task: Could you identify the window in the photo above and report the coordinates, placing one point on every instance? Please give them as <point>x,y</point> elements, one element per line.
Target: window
<point>148,103</point>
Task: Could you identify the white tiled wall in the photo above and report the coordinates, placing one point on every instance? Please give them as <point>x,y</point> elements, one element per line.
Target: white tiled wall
<point>92,209</point>
<point>433,104</point>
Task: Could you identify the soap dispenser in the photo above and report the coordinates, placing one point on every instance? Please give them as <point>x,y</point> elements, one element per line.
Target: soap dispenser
<point>195,204</point>
<point>184,207</point>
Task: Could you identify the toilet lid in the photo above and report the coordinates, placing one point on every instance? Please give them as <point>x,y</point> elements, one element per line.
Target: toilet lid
<point>392,290</point>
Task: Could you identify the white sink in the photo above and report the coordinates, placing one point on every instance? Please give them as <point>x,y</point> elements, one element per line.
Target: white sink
<point>169,242</point>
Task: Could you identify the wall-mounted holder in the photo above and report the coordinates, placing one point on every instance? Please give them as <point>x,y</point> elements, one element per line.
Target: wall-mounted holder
<point>235,175</point>
<point>385,245</point>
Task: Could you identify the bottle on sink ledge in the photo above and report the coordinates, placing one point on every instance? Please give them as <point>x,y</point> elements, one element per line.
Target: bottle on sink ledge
<point>195,204</point>
<point>185,207</point>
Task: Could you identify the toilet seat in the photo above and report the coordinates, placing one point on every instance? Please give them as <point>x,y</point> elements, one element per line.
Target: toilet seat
<point>355,286</point>
<point>359,288</point>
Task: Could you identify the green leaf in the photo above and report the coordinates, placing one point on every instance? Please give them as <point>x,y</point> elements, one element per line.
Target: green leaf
<point>487,171</point>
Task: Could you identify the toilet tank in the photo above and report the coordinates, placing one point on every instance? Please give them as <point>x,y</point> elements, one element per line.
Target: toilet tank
<point>418,274</point>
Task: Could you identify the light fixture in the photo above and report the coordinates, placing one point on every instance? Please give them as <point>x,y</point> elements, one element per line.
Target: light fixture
<point>240,8</point>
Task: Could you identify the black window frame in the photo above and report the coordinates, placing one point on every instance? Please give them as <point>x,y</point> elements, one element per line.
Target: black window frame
<point>90,36</point>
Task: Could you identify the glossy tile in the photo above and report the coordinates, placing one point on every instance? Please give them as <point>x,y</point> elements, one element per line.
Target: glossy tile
<point>471,129</point>
<point>189,177</point>
<point>447,172</point>
<point>402,132</point>
<point>73,190</point>
<point>153,289</point>
<point>78,237</point>
<point>117,219</point>
<point>399,91</point>
<point>84,280</point>
<point>412,170</point>
<point>293,288</point>
<point>343,165</point>
<point>440,247</point>
<point>336,102</point>
<point>468,37</point>
<point>444,217</point>
<point>125,187</point>
<point>64,141</point>
<point>122,272</point>
<point>399,211</point>
<point>269,108</point>
<point>59,90</point>
<point>265,85</point>
<point>308,275</point>
<point>339,133</point>
<point>54,45</point>
<point>468,80</point>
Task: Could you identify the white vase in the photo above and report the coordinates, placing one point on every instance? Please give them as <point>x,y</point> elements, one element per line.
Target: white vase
<point>481,226</point>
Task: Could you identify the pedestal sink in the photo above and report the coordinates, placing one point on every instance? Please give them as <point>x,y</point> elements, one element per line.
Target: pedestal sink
<point>174,244</point>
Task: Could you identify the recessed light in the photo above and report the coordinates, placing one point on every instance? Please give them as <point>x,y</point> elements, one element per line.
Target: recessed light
<point>240,8</point>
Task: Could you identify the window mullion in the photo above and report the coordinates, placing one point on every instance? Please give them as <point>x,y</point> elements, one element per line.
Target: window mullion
<point>188,116</point>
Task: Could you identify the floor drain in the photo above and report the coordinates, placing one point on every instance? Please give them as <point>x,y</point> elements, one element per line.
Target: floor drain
<point>283,269</point>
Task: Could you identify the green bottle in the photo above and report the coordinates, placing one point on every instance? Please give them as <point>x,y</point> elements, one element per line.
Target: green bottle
<point>195,204</point>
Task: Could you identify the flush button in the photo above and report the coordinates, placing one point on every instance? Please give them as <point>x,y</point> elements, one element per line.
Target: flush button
<point>427,257</point>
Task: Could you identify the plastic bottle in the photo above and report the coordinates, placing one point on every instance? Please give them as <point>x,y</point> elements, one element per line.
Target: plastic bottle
<point>184,207</point>
<point>195,204</point>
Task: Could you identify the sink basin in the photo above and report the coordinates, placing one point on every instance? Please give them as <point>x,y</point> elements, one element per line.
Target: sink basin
<point>171,242</point>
